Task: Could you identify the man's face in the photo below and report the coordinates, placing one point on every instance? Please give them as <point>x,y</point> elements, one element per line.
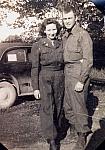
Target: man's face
<point>69,19</point>
<point>51,31</point>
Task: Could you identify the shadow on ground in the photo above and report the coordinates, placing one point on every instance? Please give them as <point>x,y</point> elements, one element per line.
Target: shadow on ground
<point>92,104</point>
<point>20,124</point>
<point>22,99</point>
<point>2,147</point>
<point>97,140</point>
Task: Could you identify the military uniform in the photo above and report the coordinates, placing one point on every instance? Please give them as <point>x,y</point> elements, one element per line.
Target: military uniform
<point>78,60</point>
<point>48,76</point>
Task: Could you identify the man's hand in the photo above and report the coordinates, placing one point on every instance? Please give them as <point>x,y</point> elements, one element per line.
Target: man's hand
<point>37,94</point>
<point>79,87</point>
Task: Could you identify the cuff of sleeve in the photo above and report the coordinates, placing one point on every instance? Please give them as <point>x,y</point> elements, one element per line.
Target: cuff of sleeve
<point>82,79</point>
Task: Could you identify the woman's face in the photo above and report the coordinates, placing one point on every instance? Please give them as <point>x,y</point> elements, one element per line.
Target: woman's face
<point>51,31</point>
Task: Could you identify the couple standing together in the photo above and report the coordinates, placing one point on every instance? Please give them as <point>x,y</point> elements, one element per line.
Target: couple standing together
<point>58,62</point>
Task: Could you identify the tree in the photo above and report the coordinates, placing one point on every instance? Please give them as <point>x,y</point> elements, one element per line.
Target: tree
<point>88,14</point>
<point>27,7</point>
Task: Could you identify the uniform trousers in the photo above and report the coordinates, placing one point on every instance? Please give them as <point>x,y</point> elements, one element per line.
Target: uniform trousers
<point>75,102</point>
<point>51,84</point>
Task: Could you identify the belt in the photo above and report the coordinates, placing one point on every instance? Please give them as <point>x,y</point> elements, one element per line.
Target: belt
<point>52,68</point>
<point>74,61</point>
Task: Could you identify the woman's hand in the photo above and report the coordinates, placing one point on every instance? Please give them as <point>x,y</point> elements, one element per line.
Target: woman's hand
<point>37,94</point>
<point>79,87</point>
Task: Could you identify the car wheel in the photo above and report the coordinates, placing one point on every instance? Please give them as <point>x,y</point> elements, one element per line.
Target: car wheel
<point>7,95</point>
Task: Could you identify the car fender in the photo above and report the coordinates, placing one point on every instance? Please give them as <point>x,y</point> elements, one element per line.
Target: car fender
<point>11,79</point>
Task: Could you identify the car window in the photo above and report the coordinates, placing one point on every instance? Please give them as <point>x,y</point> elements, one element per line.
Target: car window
<point>29,54</point>
<point>16,56</point>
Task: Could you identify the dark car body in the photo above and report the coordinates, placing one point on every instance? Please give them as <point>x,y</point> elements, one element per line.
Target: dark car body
<point>15,72</point>
<point>15,66</point>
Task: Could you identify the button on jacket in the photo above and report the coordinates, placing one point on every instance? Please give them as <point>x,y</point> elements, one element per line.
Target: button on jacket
<point>78,47</point>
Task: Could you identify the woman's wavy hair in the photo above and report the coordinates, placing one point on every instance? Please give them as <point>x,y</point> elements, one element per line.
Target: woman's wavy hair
<point>47,22</point>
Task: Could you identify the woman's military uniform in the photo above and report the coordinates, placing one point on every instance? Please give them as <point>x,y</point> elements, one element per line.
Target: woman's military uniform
<point>48,76</point>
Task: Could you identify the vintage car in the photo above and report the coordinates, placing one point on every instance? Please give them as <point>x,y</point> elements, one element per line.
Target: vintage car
<point>15,72</point>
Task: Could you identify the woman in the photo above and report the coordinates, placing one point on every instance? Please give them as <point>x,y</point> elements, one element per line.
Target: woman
<point>48,79</point>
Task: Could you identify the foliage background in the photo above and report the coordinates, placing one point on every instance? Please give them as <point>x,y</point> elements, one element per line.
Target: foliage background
<point>30,13</point>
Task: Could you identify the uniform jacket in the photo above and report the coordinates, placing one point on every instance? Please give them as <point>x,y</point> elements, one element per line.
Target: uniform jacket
<point>44,54</point>
<point>78,46</point>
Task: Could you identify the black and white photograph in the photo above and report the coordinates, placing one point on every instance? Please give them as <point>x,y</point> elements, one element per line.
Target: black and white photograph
<point>52,74</point>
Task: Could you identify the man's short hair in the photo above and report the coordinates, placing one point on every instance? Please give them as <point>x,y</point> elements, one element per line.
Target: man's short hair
<point>69,8</point>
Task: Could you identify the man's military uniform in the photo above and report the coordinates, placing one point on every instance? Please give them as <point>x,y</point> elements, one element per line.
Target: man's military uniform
<point>78,60</point>
<point>48,76</point>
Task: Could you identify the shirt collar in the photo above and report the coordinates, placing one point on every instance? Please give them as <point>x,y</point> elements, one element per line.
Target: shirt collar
<point>47,43</point>
<point>75,29</point>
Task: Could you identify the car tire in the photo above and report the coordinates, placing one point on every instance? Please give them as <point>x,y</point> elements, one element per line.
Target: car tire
<point>7,95</point>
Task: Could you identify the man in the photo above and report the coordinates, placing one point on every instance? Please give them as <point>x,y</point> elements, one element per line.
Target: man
<point>78,60</point>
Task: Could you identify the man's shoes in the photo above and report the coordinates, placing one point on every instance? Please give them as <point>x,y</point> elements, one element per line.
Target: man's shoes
<point>54,145</point>
<point>81,142</point>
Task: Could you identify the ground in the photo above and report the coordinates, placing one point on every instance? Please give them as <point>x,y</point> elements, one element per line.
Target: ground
<point>20,124</point>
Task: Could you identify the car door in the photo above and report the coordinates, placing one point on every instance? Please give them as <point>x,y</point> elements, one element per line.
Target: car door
<point>16,62</point>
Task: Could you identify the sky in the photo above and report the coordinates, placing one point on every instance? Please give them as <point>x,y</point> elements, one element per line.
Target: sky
<point>6,28</point>
<point>100,4</point>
